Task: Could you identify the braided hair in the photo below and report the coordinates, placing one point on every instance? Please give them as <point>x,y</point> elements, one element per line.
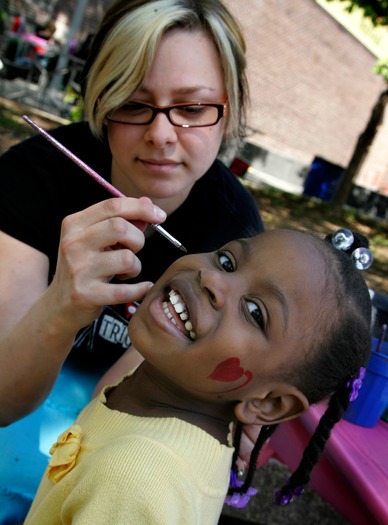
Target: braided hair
<point>339,351</point>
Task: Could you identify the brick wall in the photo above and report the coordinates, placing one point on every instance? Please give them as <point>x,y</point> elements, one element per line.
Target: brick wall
<point>312,85</point>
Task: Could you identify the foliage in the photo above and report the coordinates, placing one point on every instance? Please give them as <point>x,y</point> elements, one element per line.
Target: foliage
<point>3,15</point>
<point>375,10</point>
<point>10,124</point>
<point>381,68</point>
<point>74,100</point>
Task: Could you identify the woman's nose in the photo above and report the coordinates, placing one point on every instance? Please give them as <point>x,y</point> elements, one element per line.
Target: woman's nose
<point>160,131</point>
<point>215,283</point>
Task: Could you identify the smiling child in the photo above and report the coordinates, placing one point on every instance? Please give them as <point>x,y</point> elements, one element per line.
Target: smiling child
<point>243,335</point>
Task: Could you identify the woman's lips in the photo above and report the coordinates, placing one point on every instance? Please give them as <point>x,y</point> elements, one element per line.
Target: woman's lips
<point>160,166</point>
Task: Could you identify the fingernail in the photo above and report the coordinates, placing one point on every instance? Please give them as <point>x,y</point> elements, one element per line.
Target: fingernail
<point>160,214</point>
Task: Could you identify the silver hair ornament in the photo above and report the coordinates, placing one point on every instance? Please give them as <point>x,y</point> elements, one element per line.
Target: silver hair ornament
<point>362,257</point>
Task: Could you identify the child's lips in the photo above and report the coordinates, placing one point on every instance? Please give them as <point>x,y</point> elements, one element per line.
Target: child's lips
<point>193,300</point>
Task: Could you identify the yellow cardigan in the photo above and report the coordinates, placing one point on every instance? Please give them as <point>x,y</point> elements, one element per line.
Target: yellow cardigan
<point>114,468</point>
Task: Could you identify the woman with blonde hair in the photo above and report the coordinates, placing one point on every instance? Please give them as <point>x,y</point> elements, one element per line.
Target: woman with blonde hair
<point>164,88</point>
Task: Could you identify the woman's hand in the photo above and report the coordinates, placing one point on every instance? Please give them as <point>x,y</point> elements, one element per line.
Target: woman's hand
<point>39,322</point>
<point>97,244</point>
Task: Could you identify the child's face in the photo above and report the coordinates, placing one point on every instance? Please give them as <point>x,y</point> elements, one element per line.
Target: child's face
<point>250,306</point>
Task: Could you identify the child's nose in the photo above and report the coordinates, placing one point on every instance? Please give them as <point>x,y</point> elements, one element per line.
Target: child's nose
<point>215,284</point>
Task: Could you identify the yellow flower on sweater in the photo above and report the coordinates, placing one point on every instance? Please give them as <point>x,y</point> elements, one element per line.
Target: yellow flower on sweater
<point>64,453</point>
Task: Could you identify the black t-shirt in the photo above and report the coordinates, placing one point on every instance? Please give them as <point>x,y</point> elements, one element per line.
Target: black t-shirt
<point>40,186</point>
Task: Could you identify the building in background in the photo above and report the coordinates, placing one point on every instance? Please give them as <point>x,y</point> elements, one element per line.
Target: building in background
<point>310,68</point>
<point>312,88</point>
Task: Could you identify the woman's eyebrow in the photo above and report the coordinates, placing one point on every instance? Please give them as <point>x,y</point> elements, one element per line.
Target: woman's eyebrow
<point>193,89</point>
<point>183,90</point>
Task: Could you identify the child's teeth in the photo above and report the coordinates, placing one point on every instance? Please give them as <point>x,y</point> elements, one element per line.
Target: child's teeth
<point>167,311</point>
<point>180,308</point>
<point>174,299</point>
<point>174,296</point>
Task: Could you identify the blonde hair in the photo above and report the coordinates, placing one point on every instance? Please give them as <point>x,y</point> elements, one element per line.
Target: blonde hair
<point>125,44</point>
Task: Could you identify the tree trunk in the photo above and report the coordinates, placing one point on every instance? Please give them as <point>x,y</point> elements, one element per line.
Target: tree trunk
<point>364,141</point>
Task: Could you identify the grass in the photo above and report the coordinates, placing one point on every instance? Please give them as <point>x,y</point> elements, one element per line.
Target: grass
<point>282,209</point>
<point>10,124</point>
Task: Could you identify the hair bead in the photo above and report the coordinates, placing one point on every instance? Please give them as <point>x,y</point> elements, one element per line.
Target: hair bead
<point>362,258</point>
<point>342,239</point>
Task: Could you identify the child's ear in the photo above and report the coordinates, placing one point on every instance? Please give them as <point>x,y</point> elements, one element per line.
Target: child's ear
<point>277,404</point>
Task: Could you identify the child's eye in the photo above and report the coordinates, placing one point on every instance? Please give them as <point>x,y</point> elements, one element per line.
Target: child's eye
<point>226,262</point>
<point>257,314</point>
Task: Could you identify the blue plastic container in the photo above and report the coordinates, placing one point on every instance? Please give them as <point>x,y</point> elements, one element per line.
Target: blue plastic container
<point>323,179</point>
<point>372,399</point>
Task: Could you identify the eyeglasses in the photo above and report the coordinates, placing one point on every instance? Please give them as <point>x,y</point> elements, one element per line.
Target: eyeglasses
<point>182,115</point>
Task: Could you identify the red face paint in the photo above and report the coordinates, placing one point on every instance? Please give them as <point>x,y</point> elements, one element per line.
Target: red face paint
<point>229,371</point>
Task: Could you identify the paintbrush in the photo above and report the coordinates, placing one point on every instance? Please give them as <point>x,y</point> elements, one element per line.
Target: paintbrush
<point>107,185</point>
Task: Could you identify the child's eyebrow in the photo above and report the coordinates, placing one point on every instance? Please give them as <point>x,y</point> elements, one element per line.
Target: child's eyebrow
<point>272,288</point>
<point>245,245</point>
<point>276,292</point>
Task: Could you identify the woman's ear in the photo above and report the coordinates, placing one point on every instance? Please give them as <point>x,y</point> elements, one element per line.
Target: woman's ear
<point>279,403</point>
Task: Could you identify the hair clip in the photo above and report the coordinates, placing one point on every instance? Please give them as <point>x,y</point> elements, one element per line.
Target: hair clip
<point>362,257</point>
<point>241,471</point>
<point>355,384</point>
<point>239,500</point>
<point>342,239</point>
<point>284,497</point>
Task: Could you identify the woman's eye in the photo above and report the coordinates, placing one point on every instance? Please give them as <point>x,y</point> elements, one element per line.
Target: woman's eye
<point>256,313</point>
<point>226,262</point>
<point>133,107</point>
<point>192,111</point>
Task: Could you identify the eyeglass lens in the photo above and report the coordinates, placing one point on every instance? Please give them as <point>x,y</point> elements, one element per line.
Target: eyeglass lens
<point>185,115</point>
